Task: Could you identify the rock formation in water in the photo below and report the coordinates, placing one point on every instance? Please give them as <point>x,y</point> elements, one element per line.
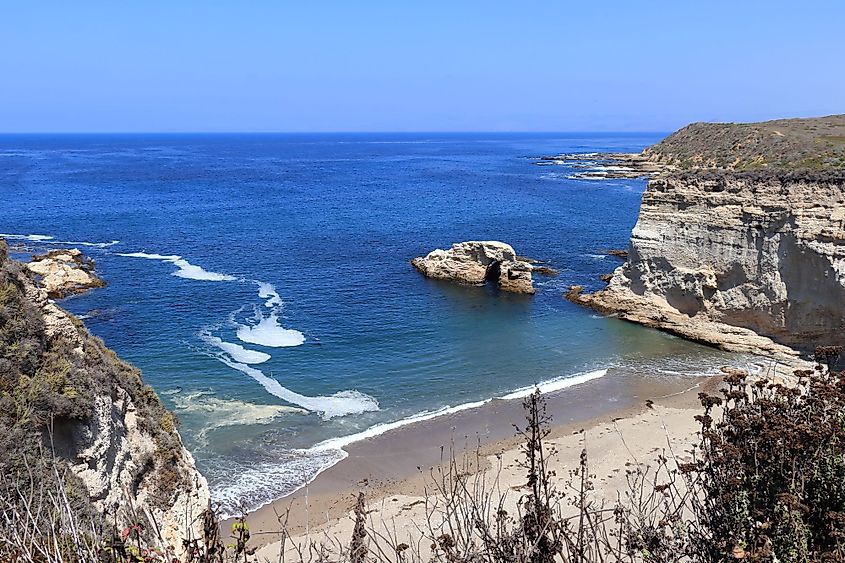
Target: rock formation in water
<point>64,272</point>
<point>740,242</point>
<point>476,262</point>
<point>603,166</point>
<point>61,387</point>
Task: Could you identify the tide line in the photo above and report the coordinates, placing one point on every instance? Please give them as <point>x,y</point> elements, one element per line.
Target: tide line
<point>552,385</point>
<point>332,449</point>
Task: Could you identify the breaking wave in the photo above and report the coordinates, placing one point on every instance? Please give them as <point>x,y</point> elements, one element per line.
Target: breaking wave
<point>341,403</point>
<point>266,331</point>
<point>297,468</point>
<point>186,269</point>
<point>257,483</point>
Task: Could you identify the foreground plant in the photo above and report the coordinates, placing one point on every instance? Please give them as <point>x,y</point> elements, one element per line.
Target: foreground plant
<point>767,482</point>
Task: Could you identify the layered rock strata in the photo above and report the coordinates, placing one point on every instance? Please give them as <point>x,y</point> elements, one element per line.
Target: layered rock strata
<point>740,240</point>
<point>477,262</point>
<point>747,261</point>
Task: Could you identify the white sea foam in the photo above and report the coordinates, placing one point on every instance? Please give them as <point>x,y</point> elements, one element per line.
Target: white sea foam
<point>301,467</point>
<point>339,404</point>
<point>235,351</point>
<point>230,412</point>
<point>378,429</point>
<point>259,483</point>
<point>219,413</point>
<point>148,256</point>
<point>52,240</point>
<point>556,384</point>
<point>83,243</point>
<point>34,238</point>
<point>268,332</point>
<point>268,291</point>
<point>614,168</point>
<point>186,269</point>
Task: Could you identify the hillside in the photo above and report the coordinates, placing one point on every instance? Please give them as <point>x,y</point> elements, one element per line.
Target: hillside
<point>75,417</point>
<point>784,144</point>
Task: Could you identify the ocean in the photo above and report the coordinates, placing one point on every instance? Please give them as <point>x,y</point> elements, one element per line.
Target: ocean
<point>262,282</point>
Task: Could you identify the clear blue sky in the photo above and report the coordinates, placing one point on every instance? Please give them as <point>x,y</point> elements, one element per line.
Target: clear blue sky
<point>312,65</point>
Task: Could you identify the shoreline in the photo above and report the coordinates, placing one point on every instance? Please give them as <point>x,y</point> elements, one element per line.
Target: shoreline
<point>399,461</point>
<point>339,443</point>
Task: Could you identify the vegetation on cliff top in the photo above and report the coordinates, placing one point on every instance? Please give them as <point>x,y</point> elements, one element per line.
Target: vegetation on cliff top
<point>784,144</point>
<point>48,393</point>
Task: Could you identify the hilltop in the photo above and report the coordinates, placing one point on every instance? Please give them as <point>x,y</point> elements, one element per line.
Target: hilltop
<point>785,144</point>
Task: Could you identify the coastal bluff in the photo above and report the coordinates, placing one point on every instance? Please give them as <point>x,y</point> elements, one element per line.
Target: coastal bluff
<point>73,415</point>
<point>477,262</point>
<point>740,240</point>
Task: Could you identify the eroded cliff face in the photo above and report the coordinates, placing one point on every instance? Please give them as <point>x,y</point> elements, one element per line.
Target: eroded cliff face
<point>62,386</point>
<point>717,255</point>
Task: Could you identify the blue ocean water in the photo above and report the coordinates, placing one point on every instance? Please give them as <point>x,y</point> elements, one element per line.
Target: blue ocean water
<point>262,282</point>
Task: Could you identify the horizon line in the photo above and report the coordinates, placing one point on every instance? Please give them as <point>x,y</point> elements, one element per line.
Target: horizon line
<point>341,132</point>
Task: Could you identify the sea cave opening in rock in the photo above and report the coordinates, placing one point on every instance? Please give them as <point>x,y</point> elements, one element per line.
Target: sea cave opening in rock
<point>494,270</point>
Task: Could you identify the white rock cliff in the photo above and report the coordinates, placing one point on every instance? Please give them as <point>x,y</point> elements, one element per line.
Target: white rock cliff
<point>128,456</point>
<point>747,261</point>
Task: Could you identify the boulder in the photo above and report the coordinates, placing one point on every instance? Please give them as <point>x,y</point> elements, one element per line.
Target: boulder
<point>64,272</point>
<point>476,262</point>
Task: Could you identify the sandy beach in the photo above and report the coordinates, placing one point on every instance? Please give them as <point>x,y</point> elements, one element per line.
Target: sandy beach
<point>609,417</point>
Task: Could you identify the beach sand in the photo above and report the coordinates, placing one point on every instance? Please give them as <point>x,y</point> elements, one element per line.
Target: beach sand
<point>608,416</point>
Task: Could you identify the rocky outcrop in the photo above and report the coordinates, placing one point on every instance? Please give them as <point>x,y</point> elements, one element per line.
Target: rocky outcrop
<point>121,465</point>
<point>750,261</point>
<point>604,166</point>
<point>106,427</point>
<point>476,262</point>
<point>64,272</point>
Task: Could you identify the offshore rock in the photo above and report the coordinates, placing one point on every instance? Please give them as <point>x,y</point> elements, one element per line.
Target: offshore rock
<point>476,262</point>
<point>64,272</point>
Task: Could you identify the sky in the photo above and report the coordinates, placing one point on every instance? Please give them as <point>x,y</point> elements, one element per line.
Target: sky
<point>402,65</point>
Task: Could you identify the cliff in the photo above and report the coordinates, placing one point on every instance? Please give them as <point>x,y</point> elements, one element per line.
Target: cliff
<point>740,242</point>
<point>73,414</point>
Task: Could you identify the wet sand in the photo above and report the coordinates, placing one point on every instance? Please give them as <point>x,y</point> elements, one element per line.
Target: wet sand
<point>398,464</point>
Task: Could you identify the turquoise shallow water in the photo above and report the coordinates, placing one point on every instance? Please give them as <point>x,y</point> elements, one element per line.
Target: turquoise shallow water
<point>263,285</point>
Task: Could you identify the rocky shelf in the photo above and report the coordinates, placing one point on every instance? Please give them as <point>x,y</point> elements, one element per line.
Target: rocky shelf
<point>64,272</point>
<point>603,166</point>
